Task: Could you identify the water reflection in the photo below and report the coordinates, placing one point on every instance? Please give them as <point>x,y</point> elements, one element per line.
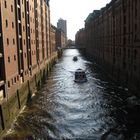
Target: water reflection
<point>63,109</point>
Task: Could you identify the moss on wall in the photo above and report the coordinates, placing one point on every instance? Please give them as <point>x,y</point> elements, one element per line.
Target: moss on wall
<point>11,106</point>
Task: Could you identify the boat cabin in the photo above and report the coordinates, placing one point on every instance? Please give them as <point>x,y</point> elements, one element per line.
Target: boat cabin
<point>80,76</point>
<point>75,58</point>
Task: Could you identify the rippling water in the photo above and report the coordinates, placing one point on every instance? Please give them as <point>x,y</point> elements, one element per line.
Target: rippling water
<point>63,109</point>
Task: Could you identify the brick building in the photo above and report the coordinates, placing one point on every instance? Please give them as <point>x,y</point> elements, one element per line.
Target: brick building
<point>113,40</point>
<point>24,42</point>
<point>53,38</point>
<point>80,37</point>
<point>61,38</point>
<point>9,70</point>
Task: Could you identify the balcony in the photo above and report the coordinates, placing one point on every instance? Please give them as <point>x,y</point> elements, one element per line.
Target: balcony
<point>2,91</point>
<point>1,83</point>
<point>1,95</point>
<point>0,55</point>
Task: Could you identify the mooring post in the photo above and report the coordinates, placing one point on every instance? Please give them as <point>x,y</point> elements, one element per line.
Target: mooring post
<point>2,119</point>
<point>29,97</point>
<point>36,81</point>
<point>19,105</point>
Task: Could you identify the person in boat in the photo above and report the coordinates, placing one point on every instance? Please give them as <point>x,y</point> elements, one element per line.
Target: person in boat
<point>75,58</point>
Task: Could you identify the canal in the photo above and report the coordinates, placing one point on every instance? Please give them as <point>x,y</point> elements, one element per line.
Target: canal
<point>98,109</point>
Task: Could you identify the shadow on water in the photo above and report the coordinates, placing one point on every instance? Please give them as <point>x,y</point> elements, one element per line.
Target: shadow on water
<point>63,109</point>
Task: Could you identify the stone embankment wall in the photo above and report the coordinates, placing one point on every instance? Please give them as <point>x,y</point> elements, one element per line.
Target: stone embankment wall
<point>10,107</point>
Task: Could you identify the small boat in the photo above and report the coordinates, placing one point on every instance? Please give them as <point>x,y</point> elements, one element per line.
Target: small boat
<point>80,76</point>
<point>75,58</point>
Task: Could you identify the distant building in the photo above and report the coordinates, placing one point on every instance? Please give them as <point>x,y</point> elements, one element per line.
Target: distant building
<point>62,24</point>
<point>53,38</point>
<point>80,37</point>
<point>60,39</point>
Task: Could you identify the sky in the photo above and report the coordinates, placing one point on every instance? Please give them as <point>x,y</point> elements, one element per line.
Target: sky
<point>75,12</point>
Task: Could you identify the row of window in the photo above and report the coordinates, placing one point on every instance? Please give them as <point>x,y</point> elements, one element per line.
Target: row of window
<point>118,53</point>
<point>32,19</point>
<point>32,30</point>
<point>33,53</point>
<point>128,66</point>
<point>9,58</point>
<point>8,42</point>
<point>13,81</point>
<point>5,5</point>
<point>13,41</point>
<point>6,24</point>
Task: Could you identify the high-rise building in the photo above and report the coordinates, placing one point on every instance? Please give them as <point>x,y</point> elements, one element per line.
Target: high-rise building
<point>62,24</point>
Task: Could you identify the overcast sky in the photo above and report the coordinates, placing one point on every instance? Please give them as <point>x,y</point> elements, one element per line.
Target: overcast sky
<point>74,11</point>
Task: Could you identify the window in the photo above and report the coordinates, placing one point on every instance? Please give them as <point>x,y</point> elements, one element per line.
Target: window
<point>6,22</point>
<point>8,84</point>
<point>135,27</point>
<point>124,65</point>
<point>124,19</point>
<point>136,12</point>
<point>15,57</point>
<point>135,54</point>
<point>15,80</point>
<point>31,19</point>
<point>18,2</point>
<point>128,53</point>
<point>12,81</point>
<point>12,24</point>
<point>5,4</point>
<point>7,41</point>
<point>23,14</point>
<point>23,28</point>
<point>135,67</point>
<point>13,41</point>
<point>11,8</point>
<point>120,51</point>
<point>8,59</point>
<point>135,37</point>
<point>124,53</point>
<point>124,40</point>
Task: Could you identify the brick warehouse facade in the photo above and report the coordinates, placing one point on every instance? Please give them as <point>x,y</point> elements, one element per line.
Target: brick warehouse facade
<point>80,37</point>
<point>25,40</point>
<point>113,40</point>
<point>27,53</point>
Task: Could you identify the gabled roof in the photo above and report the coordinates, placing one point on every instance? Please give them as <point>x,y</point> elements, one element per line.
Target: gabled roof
<point>92,15</point>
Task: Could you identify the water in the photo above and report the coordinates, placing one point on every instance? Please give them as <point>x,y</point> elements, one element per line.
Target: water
<point>63,109</point>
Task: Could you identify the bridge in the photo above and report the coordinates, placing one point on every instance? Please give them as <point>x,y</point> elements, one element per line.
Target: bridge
<point>75,47</point>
